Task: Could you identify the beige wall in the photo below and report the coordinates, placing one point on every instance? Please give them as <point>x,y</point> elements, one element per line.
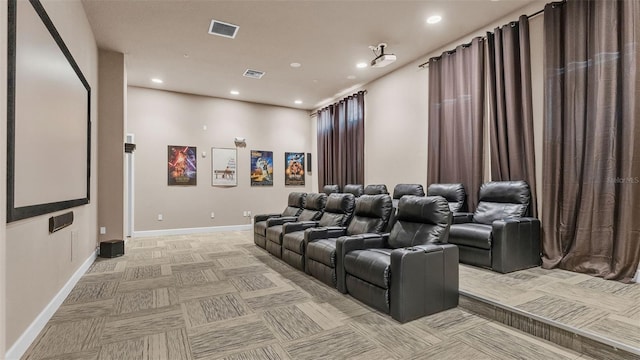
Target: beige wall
<point>161,118</point>
<point>396,113</point>
<point>112,112</point>
<point>3,175</point>
<point>39,264</point>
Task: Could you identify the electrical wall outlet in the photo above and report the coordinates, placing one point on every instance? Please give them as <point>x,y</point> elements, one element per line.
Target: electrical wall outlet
<point>213,215</point>
<point>249,213</point>
<point>244,214</point>
<point>103,230</point>
<point>159,217</point>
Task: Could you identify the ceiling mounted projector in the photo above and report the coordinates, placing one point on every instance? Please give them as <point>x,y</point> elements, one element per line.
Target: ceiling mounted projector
<point>381,59</point>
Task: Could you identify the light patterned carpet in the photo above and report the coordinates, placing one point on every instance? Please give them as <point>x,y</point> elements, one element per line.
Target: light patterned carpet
<point>218,296</point>
<point>609,309</point>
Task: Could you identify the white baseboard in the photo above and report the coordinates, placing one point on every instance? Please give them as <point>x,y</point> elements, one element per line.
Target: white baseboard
<point>28,336</point>
<point>187,231</point>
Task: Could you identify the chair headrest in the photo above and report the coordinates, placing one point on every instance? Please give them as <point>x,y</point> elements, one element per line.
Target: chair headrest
<point>374,206</point>
<point>426,210</point>
<point>340,204</point>
<point>512,192</point>
<point>375,189</point>
<point>297,199</point>
<point>355,189</point>
<point>316,201</point>
<point>330,189</point>
<point>454,193</point>
<point>401,190</point>
<point>451,192</point>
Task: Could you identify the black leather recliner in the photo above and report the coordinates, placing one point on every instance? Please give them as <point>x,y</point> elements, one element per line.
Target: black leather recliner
<point>371,215</point>
<point>294,207</point>
<point>330,189</point>
<point>399,191</point>
<point>408,273</point>
<point>337,212</point>
<point>498,236</point>
<point>312,211</point>
<point>375,189</point>
<point>454,193</point>
<point>356,189</point>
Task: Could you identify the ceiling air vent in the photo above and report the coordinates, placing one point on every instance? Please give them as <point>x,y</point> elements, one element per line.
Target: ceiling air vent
<point>223,29</point>
<point>254,74</point>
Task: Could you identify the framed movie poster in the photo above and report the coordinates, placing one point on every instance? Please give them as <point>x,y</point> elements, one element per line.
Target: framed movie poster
<point>293,168</point>
<point>223,165</point>
<point>261,168</point>
<point>182,168</point>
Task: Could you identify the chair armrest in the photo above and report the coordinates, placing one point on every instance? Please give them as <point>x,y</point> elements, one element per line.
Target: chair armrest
<point>281,220</point>
<point>345,244</point>
<point>515,244</point>
<point>298,226</point>
<point>264,217</point>
<point>336,231</point>
<point>424,280</point>
<point>462,217</point>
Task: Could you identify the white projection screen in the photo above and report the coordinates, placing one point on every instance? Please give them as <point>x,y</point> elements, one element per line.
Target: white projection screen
<point>48,117</point>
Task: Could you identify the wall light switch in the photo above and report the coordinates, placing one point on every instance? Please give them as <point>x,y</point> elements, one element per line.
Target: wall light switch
<point>103,230</point>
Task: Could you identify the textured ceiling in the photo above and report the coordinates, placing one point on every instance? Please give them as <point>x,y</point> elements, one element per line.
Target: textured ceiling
<point>169,40</point>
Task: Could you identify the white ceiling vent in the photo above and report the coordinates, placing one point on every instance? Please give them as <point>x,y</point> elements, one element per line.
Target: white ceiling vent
<point>254,74</point>
<point>223,29</point>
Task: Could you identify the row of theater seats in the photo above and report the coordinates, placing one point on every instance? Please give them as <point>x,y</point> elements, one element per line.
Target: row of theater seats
<point>341,240</point>
<point>349,240</point>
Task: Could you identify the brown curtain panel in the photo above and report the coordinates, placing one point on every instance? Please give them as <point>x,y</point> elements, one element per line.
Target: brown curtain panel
<point>456,110</point>
<point>341,142</point>
<point>591,189</point>
<point>510,106</point>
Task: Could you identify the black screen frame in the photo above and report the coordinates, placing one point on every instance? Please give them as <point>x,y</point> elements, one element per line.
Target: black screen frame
<point>18,213</point>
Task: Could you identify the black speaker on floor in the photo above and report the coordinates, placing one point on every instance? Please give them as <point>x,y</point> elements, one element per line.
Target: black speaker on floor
<point>111,248</point>
<point>308,162</point>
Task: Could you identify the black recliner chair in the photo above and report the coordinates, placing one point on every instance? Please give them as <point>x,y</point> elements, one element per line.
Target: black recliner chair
<point>408,273</point>
<point>375,189</point>
<point>312,211</point>
<point>497,235</point>
<point>371,215</point>
<point>399,191</point>
<point>330,189</point>
<point>295,204</point>
<point>337,212</point>
<point>356,189</point>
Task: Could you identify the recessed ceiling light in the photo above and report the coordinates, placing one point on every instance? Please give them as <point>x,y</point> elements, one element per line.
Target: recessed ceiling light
<point>434,19</point>
<point>295,65</point>
<point>157,81</point>
<point>361,65</point>
<point>351,77</point>
<point>298,102</point>
<point>234,92</point>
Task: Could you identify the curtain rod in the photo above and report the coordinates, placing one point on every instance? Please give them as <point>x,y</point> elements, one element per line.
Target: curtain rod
<point>314,113</point>
<point>426,64</point>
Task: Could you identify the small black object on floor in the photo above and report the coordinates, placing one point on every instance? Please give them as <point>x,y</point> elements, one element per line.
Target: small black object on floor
<point>111,248</point>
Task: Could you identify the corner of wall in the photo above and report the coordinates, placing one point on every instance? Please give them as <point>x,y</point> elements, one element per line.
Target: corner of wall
<point>3,175</point>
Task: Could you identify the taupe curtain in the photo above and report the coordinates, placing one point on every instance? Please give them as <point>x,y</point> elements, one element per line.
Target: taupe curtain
<point>510,106</point>
<point>591,189</point>
<point>456,109</point>
<point>341,142</point>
